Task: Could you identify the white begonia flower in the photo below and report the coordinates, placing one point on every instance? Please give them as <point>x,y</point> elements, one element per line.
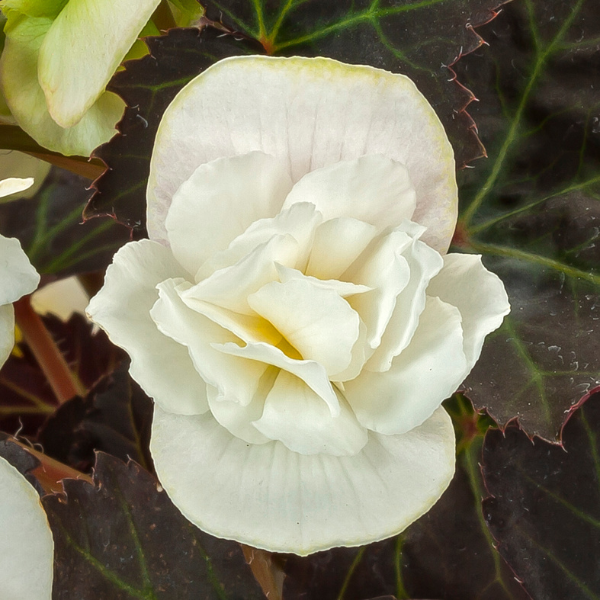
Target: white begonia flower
<point>28,171</point>
<point>26,544</point>
<point>57,60</point>
<point>292,314</point>
<point>17,276</point>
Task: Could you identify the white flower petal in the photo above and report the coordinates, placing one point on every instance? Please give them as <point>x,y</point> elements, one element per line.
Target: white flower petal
<point>82,50</point>
<point>317,112</point>
<point>269,497</point>
<point>235,378</point>
<point>61,298</point>
<point>26,100</point>
<point>420,378</point>
<point>342,288</point>
<point>317,322</point>
<point>19,164</point>
<point>230,287</point>
<point>14,185</point>
<point>162,367</point>
<point>299,222</point>
<point>337,244</point>
<point>26,544</point>
<point>7,331</point>
<point>300,419</point>
<point>374,189</point>
<point>220,201</point>
<point>478,294</point>
<point>237,418</point>
<point>17,276</point>
<point>382,268</point>
<point>424,263</point>
<point>311,372</point>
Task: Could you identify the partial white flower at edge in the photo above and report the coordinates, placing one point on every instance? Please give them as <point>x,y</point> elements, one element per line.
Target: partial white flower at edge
<point>26,544</point>
<point>17,276</point>
<point>293,314</point>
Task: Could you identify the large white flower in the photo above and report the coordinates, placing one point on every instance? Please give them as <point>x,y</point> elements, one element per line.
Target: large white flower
<point>292,314</point>
<point>26,544</point>
<point>17,276</point>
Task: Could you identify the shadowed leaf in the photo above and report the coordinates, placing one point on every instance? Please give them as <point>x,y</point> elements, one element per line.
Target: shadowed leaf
<point>545,506</point>
<point>114,417</point>
<point>51,232</point>
<point>123,539</point>
<point>532,210</point>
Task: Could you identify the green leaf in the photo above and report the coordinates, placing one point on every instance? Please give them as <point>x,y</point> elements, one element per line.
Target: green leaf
<point>532,210</point>
<point>448,553</point>
<point>123,539</point>
<point>545,506</point>
<point>418,38</point>
<point>50,228</point>
<point>148,85</point>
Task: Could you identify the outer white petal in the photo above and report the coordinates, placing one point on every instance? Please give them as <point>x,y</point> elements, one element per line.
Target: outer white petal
<point>82,50</point>
<point>236,378</point>
<point>424,263</point>
<point>161,366</point>
<point>420,378</point>
<point>336,245</point>
<point>478,294</point>
<point>270,497</point>
<point>14,185</point>
<point>26,544</point>
<point>220,201</point>
<point>26,100</point>
<point>374,189</point>
<point>317,322</point>
<point>300,419</point>
<point>317,112</point>
<point>17,276</point>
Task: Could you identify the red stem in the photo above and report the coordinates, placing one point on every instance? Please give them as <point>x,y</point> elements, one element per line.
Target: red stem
<point>61,379</point>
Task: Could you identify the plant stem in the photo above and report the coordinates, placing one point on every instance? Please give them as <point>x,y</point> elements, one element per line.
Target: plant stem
<point>51,472</point>
<point>63,382</point>
<point>267,573</point>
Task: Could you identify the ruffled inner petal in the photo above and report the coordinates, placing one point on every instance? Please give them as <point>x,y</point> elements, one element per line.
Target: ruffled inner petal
<point>424,263</point>
<point>311,372</point>
<point>270,497</point>
<point>160,365</point>
<point>373,189</point>
<point>317,322</point>
<point>382,268</point>
<point>235,378</point>
<point>230,287</point>
<point>300,419</point>
<point>478,294</point>
<point>220,201</point>
<point>299,222</point>
<point>427,372</point>
<point>337,244</point>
